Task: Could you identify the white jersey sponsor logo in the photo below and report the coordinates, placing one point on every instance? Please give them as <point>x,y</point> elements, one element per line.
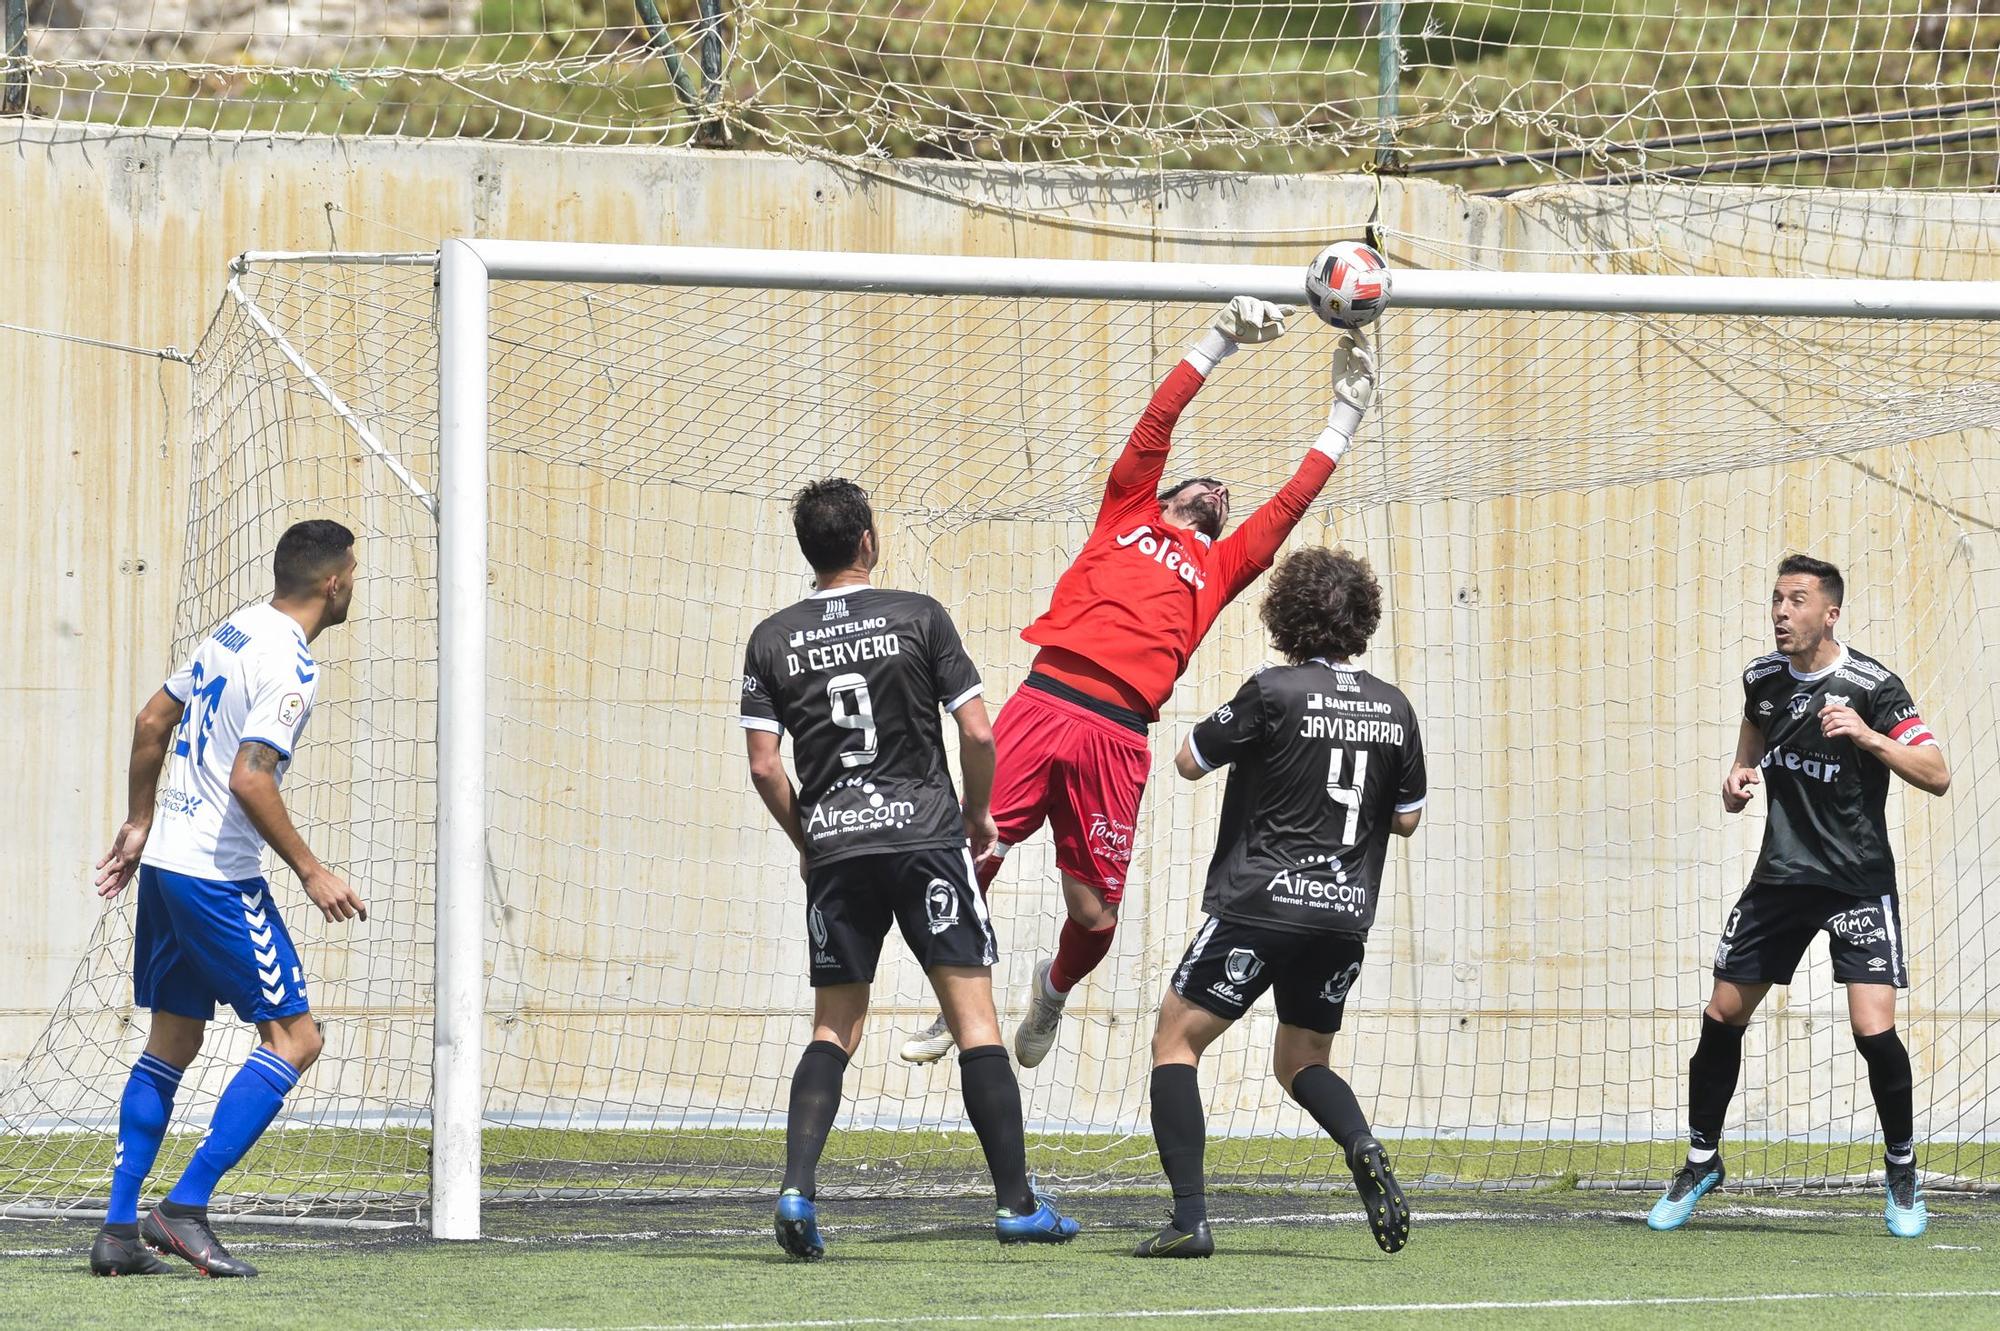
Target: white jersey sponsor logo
<point>252,679</point>
<point>1165,551</point>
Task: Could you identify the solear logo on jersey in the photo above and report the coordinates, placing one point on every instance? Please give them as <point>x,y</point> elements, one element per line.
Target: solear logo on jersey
<point>1163,550</point>
<point>1818,766</point>
<point>941,904</point>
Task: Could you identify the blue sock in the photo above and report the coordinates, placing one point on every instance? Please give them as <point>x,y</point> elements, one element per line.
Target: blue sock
<point>143,1112</point>
<point>248,1104</point>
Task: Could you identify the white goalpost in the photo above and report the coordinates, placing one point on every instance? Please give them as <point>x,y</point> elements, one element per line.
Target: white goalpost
<point>569,465</point>
<point>466,268</point>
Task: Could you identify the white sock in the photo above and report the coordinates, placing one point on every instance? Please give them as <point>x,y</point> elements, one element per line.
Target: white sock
<point>1700,1157</point>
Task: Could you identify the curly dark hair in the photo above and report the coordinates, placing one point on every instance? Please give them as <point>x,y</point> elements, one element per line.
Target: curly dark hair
<point>1322,603</point>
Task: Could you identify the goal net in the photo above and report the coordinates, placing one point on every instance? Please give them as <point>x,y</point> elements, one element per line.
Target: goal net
<point>1575,518</point>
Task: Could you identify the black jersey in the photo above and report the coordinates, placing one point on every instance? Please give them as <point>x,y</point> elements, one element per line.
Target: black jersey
<point>856,676</point>
<point>1827,825</point>
<point>1323,757</point>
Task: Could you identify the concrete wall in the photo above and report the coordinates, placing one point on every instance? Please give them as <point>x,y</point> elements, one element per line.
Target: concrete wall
<point>1568,615</point>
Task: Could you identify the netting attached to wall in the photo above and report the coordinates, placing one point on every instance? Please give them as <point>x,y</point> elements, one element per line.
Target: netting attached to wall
<point>1575,519</point>
<point>1493,94</point>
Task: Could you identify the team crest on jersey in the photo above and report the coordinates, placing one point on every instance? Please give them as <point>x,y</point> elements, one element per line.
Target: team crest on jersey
<point>1837,700</point>
<point>941,904</point>
<point>289,709</point>
<point>1242,965</point>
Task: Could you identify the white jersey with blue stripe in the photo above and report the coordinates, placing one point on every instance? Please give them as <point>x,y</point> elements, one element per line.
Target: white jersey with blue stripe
<point>252,680</point>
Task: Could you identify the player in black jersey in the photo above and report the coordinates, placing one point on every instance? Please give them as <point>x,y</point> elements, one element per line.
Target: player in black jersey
<point>1325,763</point>
<point>1823,727</point>
<point>856,675</point>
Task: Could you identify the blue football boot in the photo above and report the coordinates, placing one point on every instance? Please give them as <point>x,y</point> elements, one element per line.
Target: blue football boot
<point>1042,1225</point>
<point>798,1226</point>
<point>1904,1211</point>
<point>1692,1183</point>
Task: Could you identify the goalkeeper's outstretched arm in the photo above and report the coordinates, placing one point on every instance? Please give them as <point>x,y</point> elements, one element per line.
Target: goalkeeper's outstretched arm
<point>1135,476</point>
<point>1249,550</point>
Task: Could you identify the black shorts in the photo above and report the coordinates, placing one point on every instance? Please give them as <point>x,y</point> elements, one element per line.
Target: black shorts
<point>850,904</point>
<point>1229,965</point>
<point>1773,924</point>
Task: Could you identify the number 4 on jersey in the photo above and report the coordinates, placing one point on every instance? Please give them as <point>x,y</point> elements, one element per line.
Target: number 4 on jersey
<point>1348,794</point>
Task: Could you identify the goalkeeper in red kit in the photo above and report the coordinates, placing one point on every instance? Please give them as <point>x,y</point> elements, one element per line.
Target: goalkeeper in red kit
<point>1125,618</point>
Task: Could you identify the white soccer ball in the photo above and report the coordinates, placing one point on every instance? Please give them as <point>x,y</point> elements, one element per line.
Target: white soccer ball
<point>1347,284</point>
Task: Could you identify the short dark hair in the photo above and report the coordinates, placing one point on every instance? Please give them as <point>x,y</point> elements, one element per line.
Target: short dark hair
<point>831,517</point>
<point>1829,577</point>
<point>307,552</point>
<point>1322,603</point>
<point>1166,495</point>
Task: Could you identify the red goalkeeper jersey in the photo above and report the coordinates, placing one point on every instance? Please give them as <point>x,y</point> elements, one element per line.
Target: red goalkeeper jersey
<point>1143,594</point>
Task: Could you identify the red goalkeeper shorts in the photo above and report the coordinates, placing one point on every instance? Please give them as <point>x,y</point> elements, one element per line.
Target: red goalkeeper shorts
<point>1076,768</point>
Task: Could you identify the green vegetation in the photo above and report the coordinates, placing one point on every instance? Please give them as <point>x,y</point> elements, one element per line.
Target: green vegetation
<point>1265,87</point>
<point>1475,1261</point>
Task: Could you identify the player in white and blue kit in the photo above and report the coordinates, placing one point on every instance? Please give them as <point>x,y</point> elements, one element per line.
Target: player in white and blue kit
<point>225,726</point>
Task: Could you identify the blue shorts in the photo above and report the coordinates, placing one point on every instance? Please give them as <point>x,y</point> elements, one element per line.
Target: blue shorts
<point>200,941</point>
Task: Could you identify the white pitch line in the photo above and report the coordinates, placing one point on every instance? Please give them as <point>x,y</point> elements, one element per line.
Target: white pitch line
<point>1299,1310</point>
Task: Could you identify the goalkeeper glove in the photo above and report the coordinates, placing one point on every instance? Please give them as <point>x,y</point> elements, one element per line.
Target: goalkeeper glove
<point>1244,319</point>
<point>1353,390</point>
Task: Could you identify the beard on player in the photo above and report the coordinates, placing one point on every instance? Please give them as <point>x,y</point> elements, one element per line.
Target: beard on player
<point>1201,503</point>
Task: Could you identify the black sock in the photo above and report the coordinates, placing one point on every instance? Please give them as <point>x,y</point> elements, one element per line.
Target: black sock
<point>130,1233</point>
<point>1180,1132</point>
<point>993,1103</point>
<point>1890,1079</point>
<point>1712,1076</point>
<point>815,1101</point>
<point>1330,1100</point>
<point>178,1211</point>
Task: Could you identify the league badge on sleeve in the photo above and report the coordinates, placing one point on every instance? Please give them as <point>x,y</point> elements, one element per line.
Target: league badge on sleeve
<point>290,709</point>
